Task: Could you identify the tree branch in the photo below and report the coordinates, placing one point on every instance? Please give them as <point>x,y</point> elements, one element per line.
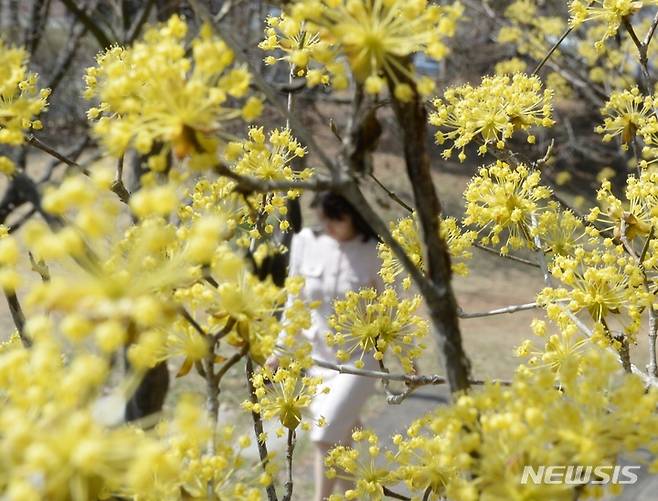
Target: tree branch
<point>251,184</point>
<point>412,119</point>
<point>17,316</point>
<point>289,455</point>
<point>506,256</point>
<point>499,311</point>
<point>258,430</point>
<point>98,33</point>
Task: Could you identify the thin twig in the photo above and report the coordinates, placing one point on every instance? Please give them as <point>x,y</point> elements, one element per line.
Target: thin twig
<point>642,52</point>
<point>499,311</point>
<point>231,362</point>
<point>391,194</point>
<point>134,30</point>
<point>258,430</point>
<point>40,267</point>
<point>252,184</point>
<point>186,315</point>
<point>652,367</point>
<point>506,256</point>
<point>117,186</point>
<point>17,316</point>
<point>553,49</point>
<point>224,331</point>
<point>98,33</point>
<point>289,455</point>
<point>71,154</point>
<point>413,381</point>
<point>22,220</point>
<point>392,494</point>
<point>37,143</point>
<point>650,31</point>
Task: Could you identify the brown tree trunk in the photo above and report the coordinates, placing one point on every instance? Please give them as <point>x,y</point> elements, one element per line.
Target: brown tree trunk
<point>441,301</point>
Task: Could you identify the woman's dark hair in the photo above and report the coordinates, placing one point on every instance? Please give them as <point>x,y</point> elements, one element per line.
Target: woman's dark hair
<point>336,207</point>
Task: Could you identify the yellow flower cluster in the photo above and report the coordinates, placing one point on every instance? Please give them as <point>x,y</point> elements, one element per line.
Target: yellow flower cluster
<point>270,158</point>
<point>560,231</point>
<point>157,99</point>
<point>561,353</point>
<point>407,232</point>
<point>605,282</point>
<point>369,324</point>
<point>20,100</point>
<point>54,446</point>
<point>634,218</point>
<point>501,198</point>
<point>58,445</point>
<point>491,112</point>
<point>530,28</point>
<point>477,448</point>
<point>378,38</point>
<point>233,475</point>
<point>360,464</point>
<point>628,114</point>
<point>285,395</point>
<point>609,13</point>
<point>303,49</point>
<point>121,275</point>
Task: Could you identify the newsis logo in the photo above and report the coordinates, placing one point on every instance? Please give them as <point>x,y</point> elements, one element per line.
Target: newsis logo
<point>575,475</point>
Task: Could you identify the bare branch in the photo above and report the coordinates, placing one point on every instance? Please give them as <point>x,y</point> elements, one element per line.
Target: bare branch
<point>98,33</point>
<point>553,49</point>
<point>65,57</point>
<point>17,316</point>
<point>412,381</point>
<point>39,267</point>
<point>135,28</point>
<point>289,455</point>
<point>642,52</point>
<point>71,154</point>
<point>392,494</point>
<point>34,32</point>
<point>250,184</point>
<point>117,185</point>
<point>499,311</point>
<point>505,256</point>
<point>258,430</point>
<point>392,195</point>
<point>195,325</point>
<point>412,119</point>
<point>650,31</point>
<point>37,143</point>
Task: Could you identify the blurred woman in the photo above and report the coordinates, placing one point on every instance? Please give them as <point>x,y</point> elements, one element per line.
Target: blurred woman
<point>339,257</point>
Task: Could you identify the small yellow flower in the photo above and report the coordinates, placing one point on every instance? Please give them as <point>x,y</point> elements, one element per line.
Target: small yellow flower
<point>20,100</point>
<point>371,324</point>
<point>379,36</point>
<point>154,92</point>
<point>407,232</point>
<point>284,395</point>
<point>627,114</point>
<point>491,112</point>
<point>609,13</point>
<point>501,198</point>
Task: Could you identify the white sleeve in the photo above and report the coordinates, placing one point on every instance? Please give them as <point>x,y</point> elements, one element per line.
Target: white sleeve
<point>295,254</point>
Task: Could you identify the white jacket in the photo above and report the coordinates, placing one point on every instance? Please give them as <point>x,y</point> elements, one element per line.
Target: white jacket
<point>330,269</point>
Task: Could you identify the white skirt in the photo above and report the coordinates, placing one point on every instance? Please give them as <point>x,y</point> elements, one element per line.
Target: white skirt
<point>340,407</point>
